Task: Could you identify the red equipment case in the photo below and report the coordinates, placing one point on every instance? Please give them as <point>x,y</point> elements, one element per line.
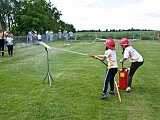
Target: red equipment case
<point>123,78</point>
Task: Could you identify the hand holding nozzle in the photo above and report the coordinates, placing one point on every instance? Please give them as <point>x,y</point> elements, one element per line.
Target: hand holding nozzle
<point>96,57</point>
<point>93,56</point>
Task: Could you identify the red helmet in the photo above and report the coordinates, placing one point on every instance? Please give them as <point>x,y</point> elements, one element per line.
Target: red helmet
<point>124,42</point>
<point>110,44</point>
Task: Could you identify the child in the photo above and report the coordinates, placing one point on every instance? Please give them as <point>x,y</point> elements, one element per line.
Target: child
<point>30,36</point>
<point>111,57</point>
<point>2,41</point>
<point>9,40</point>
<point>39,37</point>
<point>133,56</point>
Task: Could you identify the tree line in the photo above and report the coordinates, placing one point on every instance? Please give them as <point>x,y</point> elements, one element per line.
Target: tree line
<point>114,30</point>
<point>39,15</point>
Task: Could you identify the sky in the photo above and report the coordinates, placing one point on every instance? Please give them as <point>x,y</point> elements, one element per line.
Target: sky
<point>110,14</point>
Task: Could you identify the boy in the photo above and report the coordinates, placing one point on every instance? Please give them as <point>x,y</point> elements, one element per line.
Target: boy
<point>111,57</point>
<point>133,56</point>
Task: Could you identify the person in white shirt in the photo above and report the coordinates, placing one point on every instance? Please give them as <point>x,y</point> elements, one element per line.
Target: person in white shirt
<point>48,35</point>
<point>9,40</point>
<point>59,35</point>
<point>133,56</point>
<point>39,37</point>
<point>70,35</point>
<point>111,57</point>
<point>30,36</point>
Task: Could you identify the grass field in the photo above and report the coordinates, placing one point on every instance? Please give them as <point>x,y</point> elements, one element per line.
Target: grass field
<point>78,83</point>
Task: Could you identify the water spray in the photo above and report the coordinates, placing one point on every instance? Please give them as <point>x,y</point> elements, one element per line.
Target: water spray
<point>71,51</point>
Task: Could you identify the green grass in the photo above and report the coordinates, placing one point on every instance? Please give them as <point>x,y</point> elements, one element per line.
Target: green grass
<point>78,83</point>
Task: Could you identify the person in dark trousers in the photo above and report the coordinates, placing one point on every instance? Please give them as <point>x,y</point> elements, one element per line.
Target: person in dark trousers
<point>9,40</point>
<point>111,58</point>
<point>2,35</point>
<point>158,37</point>
<point>133,56</point>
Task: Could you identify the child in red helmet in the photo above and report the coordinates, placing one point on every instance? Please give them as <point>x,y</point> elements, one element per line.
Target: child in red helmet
<point>111,57</point>
<point>133,56</point>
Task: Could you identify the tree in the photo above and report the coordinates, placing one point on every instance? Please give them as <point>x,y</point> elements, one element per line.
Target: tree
<point>22,15</point>
<point>5,13</point>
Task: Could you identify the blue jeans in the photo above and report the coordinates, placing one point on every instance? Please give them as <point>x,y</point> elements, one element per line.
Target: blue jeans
<point>110,74</point>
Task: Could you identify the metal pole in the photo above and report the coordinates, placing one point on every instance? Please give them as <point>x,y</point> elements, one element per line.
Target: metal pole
<point>48,72</point>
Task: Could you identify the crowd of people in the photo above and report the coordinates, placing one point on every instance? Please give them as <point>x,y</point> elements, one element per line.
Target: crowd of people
<point>50,36</point>
<point>61,35</point>
<point>6,38</point>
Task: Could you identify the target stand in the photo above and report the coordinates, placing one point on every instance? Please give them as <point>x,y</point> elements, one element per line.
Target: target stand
<point>48,75</point>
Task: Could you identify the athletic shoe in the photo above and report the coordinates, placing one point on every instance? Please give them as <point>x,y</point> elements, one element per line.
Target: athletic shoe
<point>111,92</point>
<point>103,96</point>
<point>128,89</point>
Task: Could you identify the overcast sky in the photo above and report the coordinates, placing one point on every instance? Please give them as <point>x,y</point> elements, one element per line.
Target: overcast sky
<point>110,14</point>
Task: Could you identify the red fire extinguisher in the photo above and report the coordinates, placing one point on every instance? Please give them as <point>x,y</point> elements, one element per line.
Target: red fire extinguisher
<point>123,78</point>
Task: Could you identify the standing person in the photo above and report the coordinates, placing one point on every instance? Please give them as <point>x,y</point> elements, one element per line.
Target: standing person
<point>48,35</point>
<point>9,40</point>
<point>30,36</point>
<point>2,35</point>
<point>39,37</point>
<point>133,56</point>
<point>65,35</point>
<point>59,35</point>
<point>111,58</point>
<point>70,35</point>
<point>158,37</point>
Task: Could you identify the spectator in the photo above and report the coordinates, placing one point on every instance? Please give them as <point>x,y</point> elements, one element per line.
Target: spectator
<point>65,35</point>
<point>59,35</point>
<point>5,44</point>
<point>2,35</point>
<point>70,35</point>
<point>39,37</point>
<point>9,40</point>
<point>48,35</point>
<point>30,36</point>
<point>158,37</point>
<point>35,38</point>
